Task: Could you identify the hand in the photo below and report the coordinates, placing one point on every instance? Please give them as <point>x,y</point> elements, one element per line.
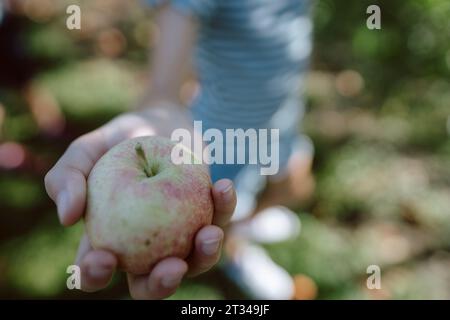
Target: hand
<point>66,185</point>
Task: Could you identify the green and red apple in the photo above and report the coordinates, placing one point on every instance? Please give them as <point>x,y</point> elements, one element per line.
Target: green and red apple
<point>142,207</point>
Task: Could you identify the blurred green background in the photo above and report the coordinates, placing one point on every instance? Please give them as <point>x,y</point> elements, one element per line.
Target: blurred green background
<point>378,113</point>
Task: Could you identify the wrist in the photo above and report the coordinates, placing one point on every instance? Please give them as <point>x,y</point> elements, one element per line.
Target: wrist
<point>152,99</point>
<point>164,116</point>
<point>165,110</point>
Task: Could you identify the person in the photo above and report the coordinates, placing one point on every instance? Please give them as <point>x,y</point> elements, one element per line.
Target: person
<point>250,58</point>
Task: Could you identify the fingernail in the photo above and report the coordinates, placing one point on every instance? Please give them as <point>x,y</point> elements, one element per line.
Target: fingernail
<point>210,247</point>
<point>170,281</point>
<point>99,272</point>
<point>227,191</point>
<point>62,203</point>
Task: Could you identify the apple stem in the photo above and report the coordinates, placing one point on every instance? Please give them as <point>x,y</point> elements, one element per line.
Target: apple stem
<point>141,154</point>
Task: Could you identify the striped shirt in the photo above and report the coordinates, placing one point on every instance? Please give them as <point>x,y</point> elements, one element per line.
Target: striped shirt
<point>250,58</point>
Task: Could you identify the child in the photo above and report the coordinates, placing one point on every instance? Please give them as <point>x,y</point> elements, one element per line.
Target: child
<point>249,57</point>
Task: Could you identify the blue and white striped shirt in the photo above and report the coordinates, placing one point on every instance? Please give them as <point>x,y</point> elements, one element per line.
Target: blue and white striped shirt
<point>250,57</point>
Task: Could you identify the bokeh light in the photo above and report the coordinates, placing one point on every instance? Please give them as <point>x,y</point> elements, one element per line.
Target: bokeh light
<point>12,155</point>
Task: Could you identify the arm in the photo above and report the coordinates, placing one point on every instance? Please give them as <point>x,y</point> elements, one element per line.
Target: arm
<point>159,113</point>
<point>171,54</point>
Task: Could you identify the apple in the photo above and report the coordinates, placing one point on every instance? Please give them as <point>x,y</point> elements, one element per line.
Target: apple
<point>142,207</point>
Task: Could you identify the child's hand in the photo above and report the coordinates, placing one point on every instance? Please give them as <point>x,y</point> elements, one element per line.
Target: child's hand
<point>66,185</point>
